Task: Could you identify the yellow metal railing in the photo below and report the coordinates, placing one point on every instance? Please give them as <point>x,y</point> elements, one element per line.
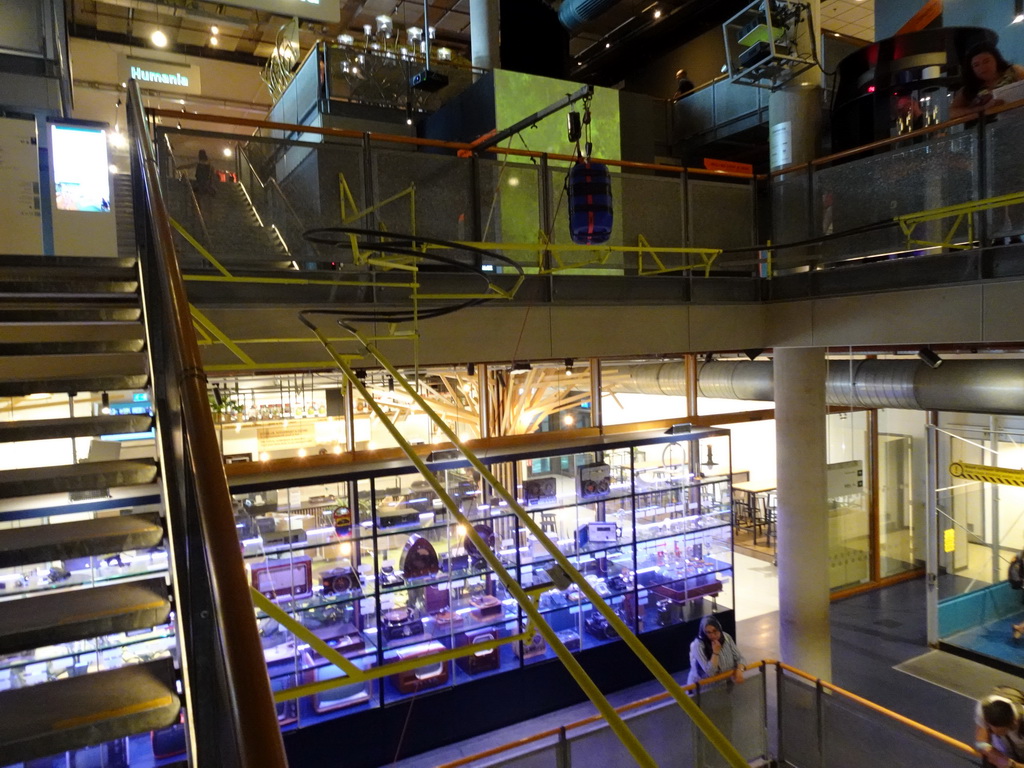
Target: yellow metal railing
<point>963,212</point>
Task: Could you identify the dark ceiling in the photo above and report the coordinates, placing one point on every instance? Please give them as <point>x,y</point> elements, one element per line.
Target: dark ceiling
<point>602,51</point>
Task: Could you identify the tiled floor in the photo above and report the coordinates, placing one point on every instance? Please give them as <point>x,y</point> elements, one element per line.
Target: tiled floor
<point>871,634</point>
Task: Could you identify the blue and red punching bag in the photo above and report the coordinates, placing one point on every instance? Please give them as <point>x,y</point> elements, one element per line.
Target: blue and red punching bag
<point>590,203</point>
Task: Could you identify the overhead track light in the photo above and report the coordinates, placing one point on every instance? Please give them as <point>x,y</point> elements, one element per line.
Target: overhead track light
<point>929,357</point>
<point>568,366</point>
<point>105,403</point>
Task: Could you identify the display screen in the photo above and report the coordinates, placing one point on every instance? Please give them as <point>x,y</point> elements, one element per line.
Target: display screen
<point>81,174</point>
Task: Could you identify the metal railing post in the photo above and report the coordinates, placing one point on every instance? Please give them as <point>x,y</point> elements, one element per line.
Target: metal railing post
<point>563,755</point>
<point>981,182</point>
<point>779,719</point>
<point>820,711</point>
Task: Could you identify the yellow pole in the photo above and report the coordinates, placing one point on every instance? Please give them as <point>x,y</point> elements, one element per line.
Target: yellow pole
<point>717,739</point>
<point>615,722</point>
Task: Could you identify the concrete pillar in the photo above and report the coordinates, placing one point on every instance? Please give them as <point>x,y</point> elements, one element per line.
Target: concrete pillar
<point>803,548</point>
<point>795,110</point>
<point>483,33</point>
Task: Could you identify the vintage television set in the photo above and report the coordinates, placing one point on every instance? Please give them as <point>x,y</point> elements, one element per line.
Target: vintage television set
<point>345,694</point>
<point>432,674</point>
<point>481,661</point>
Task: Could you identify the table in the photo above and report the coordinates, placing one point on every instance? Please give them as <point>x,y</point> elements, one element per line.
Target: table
<point>754,507</point>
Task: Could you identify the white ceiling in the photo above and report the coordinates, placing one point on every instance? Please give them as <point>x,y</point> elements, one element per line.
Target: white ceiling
<point>855,18</point>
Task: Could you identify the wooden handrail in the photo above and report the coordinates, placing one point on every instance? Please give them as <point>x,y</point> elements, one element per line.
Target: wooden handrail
<point>252,712</point>
<point>552,732</point>
<point>656,698</point>
<point>913,724</point>
<point>456,146</point>
<point>883,143</point>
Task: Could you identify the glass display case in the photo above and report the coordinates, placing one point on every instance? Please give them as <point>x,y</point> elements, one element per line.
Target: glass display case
<point>377,567</point>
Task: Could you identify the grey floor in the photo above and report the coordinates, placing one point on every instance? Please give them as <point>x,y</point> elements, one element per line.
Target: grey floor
<point>872,634</point>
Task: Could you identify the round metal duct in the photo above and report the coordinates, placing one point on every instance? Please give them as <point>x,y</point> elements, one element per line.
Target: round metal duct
<point>973,386</point>
<point>573,14</point>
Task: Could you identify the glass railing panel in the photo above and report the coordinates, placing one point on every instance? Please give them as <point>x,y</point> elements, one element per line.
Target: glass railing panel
<point>1004,157</point>
<point>854,736</point>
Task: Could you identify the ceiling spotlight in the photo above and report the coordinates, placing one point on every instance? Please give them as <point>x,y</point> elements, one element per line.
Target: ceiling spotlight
<point>929,358</point>
<point>214,30</point>
<point>159,39</point>
<point>213,39</point>
<point>391,384</point>
<point>227,151</point>
<point>105,403</point>
<point>709,357</point>
<point>470,369</point>
<point>657,13</point>
<point>568,366</point>
<point>518,366</point>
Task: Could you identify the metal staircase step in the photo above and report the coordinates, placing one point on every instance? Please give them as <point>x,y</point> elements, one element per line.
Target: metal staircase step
<point>72,311</point>
<point>68,478</point>
<point>105,346</point>
<point>81,538</point>
<point>88,426</point>
<point>75,712</point>
<point>54,288</point>
<point>43,330</point>
<point>68,615</point>
<point>13,262</point>
<point>79,382</point>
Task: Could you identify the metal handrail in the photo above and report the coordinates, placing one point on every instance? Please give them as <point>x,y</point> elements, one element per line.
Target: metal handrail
<point>659,697</point>
<point>435,143</point>
<point>191,465</point>
<point>877,708</point>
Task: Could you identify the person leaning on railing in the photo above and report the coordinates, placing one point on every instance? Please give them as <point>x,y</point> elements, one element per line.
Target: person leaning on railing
<point>999,728</point>
<point>713,652</point>
<point>984,70</point>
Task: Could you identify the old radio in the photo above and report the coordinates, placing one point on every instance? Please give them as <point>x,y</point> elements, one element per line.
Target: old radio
<point>285,579</point>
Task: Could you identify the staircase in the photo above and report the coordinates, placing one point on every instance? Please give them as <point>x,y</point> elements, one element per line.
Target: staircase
<point>87,634</point>
<point>237,237</point>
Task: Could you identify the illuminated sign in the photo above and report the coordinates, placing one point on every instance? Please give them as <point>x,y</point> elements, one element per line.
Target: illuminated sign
<point>159,75</point>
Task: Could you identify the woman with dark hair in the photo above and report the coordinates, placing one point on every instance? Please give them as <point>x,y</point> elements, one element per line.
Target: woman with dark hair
<point>713,652</point>
<point>999,728</point>
<point>984,70</point>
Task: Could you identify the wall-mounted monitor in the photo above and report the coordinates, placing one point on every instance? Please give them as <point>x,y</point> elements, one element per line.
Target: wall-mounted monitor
<point>81,169</point>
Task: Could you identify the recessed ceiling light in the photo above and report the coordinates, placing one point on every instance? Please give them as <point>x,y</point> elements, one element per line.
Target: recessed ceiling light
<point>213,40</point>
<point>607,45</point>
<point>227,152</point>
<point>214,30</point>
<point>657,14</point>
<point>159,39</point>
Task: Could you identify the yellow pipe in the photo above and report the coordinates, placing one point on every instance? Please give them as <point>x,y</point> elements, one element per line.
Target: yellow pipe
<point>588,686</point>
<point>217,334</point>
<point>202,251</point>
<point>727,750</point>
